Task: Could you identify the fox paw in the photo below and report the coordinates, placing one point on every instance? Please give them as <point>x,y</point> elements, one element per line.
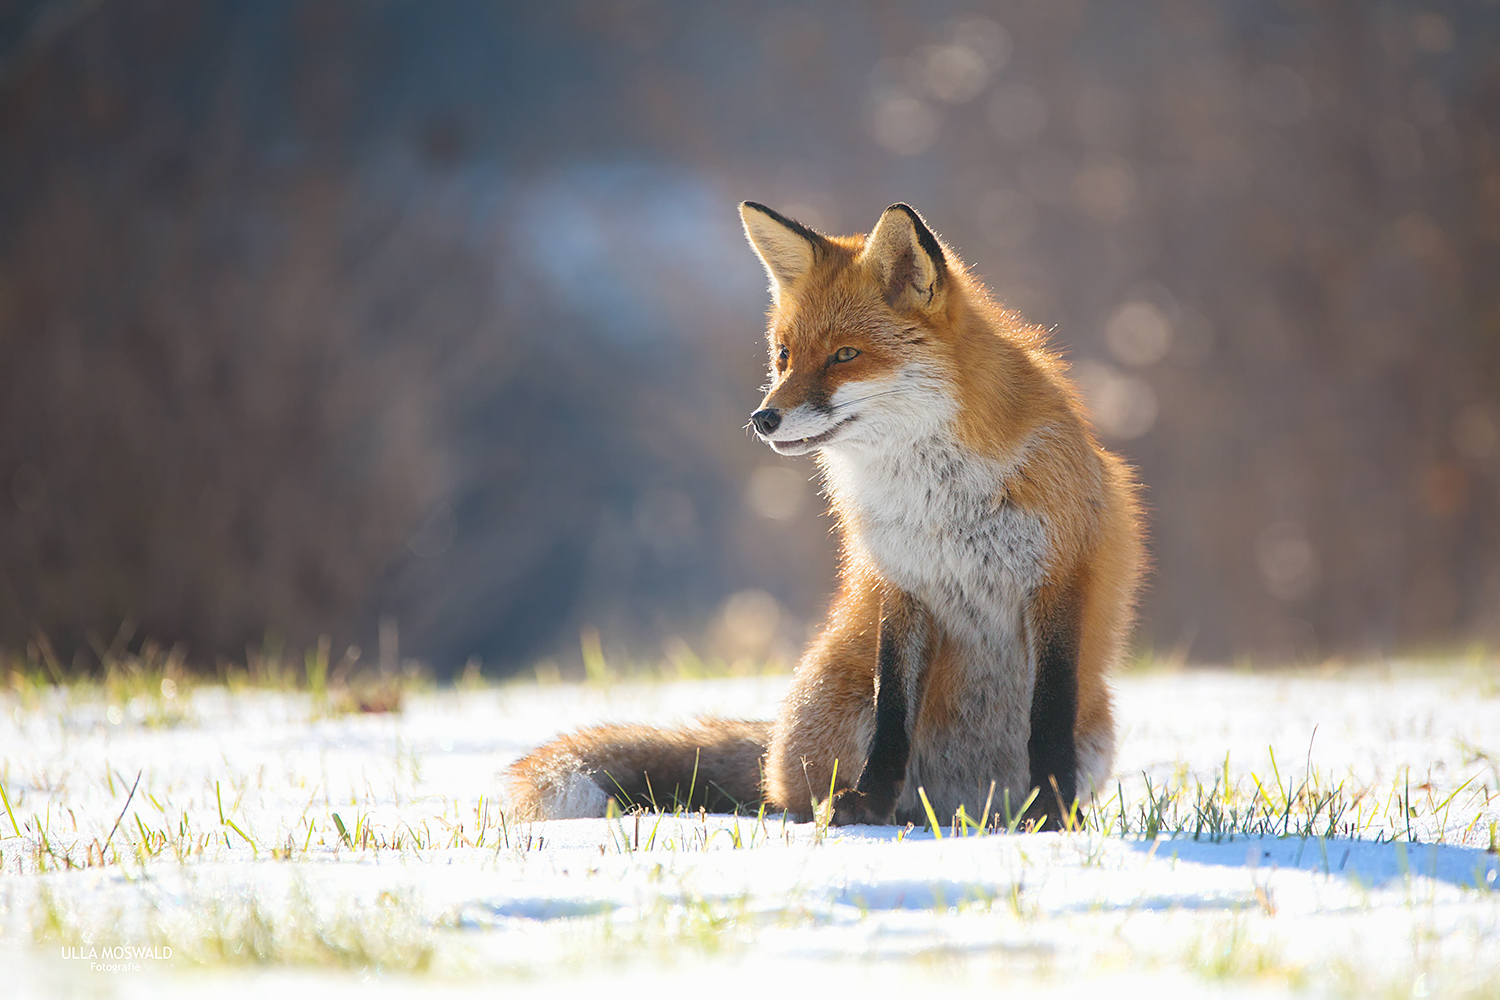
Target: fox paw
<point>851,807</point>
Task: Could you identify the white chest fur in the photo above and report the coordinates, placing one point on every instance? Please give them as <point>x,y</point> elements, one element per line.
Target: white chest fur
<point>934,518</point>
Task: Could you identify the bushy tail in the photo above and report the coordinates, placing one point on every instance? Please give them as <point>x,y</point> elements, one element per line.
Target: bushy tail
<point>713,764</point>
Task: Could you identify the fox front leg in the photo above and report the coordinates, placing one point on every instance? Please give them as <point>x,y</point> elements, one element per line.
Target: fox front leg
<point>1052,747</point>
<point>903,651</point>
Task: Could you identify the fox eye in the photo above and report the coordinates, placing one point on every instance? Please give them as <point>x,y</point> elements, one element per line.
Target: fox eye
<point>782,353</point>
<point>845,354</point>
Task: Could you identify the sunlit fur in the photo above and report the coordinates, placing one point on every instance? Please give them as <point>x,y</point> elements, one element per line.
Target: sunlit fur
<point>961,469</point>
<point>712,762</point>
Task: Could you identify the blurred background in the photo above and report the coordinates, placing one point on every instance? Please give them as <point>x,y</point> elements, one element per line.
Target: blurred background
<point>328,318</point>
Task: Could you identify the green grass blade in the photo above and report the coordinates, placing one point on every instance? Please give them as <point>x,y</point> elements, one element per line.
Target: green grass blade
<point>937,831</point>
<point>8,811</point>
<point>1012,822</point>
<point>693,782</point>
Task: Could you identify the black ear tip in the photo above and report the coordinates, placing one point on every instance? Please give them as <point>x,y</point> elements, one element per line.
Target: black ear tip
<point>911,213</point>
<point>813,237</point>
<point>923,232</point>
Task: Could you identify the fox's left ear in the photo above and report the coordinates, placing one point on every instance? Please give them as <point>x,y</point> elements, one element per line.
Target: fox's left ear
<point>907,259</point>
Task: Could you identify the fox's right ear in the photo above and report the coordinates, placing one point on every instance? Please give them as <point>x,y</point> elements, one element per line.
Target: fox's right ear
<point>787,248</point>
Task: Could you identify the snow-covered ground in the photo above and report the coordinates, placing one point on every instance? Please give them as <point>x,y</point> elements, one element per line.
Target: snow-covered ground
<point>270,847</point>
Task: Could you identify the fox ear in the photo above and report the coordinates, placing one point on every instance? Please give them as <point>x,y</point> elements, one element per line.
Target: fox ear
<point>907,258</point>
<point>787,248</point>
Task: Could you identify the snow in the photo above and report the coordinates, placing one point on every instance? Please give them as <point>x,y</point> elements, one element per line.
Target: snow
<point>468,905</point>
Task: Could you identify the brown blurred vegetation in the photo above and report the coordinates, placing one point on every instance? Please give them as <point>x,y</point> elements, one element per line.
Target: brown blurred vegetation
<point>314,315</point>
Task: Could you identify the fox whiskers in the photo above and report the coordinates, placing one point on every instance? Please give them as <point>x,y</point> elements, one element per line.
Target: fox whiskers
<point>874,395</point>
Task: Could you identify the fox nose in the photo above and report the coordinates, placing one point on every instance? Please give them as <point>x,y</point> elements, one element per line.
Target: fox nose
<point>766,421</point>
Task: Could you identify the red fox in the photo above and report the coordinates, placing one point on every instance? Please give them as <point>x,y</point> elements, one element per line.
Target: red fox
<point>991,553</point>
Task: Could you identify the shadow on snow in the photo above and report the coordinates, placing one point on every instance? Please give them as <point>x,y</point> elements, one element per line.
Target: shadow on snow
<point>1370,863</point>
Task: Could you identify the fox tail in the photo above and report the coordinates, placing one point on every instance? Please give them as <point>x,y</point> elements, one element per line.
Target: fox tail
<point>713,763</point>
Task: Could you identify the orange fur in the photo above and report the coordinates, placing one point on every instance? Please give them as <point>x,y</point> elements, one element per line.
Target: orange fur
<point>891,362</point>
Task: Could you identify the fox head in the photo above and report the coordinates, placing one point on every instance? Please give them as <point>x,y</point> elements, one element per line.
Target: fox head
<point>860,332</point>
